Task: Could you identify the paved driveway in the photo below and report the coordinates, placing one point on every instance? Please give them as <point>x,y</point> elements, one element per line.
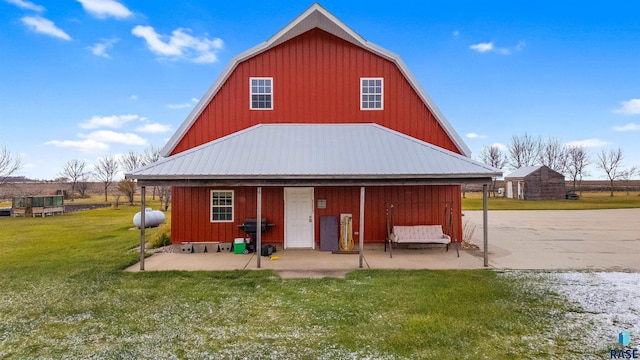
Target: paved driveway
<point>561,239</point>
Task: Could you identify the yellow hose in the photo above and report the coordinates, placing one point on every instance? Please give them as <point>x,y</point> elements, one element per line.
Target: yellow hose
<point>346,234</point>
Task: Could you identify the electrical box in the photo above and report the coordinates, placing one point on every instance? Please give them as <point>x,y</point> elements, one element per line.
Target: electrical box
<point>329,230</point>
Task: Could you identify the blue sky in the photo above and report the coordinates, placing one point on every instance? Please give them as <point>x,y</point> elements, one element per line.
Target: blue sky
<point>88,78</point>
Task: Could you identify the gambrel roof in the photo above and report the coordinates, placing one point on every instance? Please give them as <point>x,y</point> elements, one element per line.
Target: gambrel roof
<point>316,152</point>
<point>314,17</point>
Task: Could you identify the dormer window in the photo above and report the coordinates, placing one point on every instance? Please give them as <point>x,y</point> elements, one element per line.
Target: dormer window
<point>371,93</point>
<point>261,93</point>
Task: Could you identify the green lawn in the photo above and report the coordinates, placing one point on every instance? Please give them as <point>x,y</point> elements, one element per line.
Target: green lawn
<point>64,295</point>
<point>588,201</point>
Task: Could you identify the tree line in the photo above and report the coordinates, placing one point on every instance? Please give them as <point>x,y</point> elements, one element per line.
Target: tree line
<point>79,173</point>
<point>570,160</point>
<point>523,150</point>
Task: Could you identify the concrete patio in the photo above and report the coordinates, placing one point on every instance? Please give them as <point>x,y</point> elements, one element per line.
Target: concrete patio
<point>315,263</point>
<point>605,240</point>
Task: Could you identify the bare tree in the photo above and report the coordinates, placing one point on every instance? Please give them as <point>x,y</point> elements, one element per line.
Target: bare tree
<point>151,155</point>
<point>132,160</point>
<point>9,164</point>
<point>105,170</point>
<point>554,155</point>
<point>83,185</point>
<point>627,175</point>
<point>576,162</point>
<point>524,151</point>
<point>165,196</point>
<point>610,163</point>
<point>128,189</point>
<point>493,156</point>
<point>74,170</point>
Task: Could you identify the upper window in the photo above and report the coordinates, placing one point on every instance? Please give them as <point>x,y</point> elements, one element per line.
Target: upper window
<point>261,93</point>
<point>221,205</point>
<point>371,93</point>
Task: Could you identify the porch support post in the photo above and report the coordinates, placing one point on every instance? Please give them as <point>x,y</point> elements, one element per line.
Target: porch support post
<point>485,227</point>
<point>259,225</point>
<point>143,224</point>
<point>361,230</point>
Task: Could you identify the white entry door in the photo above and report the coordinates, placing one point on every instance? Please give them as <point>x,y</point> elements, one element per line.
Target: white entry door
<point>298,218</point>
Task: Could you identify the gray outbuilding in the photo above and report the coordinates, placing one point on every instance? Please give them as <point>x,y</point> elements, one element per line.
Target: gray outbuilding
<point>535,183</point>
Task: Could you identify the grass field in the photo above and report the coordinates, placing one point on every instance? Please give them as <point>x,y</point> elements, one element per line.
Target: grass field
<point>64,295</point>
<point>588,201</point>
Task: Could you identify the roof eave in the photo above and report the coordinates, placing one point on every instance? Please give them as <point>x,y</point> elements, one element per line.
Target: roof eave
<point>313,177</point>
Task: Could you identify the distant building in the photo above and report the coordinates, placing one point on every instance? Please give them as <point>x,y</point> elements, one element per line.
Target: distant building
<point>535,183</point>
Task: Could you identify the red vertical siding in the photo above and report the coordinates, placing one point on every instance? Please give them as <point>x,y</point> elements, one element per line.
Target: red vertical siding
<point>191,214</point>
<point>316,79</point>
<point>412,205</point>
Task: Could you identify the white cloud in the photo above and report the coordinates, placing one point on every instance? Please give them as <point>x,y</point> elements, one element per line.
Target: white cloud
<point>180,45</point>
<point>489,47</point>
<point>108,136</point>
<point>105,8</point>
<point>87,146</point>
<point>154,128</point>
<point>627,127</point>
<point>184,105</point>
<point>476,136</point>
<point>179,106</point>
<point>631,107</point>
<point>588,143</point>
<point>98,141</point>
<point>482,47</point>
<point>500,146</point>
<point>133,97</point>
<point>455,34</point>
<point>100,48</point>
<point>114,121</point>
<point>45,26</point>
<point>27,5</point>
<point>154,43</point>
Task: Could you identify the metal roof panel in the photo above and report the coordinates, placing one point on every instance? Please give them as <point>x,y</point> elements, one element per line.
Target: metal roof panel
<point>315,151</point>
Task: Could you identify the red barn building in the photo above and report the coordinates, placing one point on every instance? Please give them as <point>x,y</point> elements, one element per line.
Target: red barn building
<point>315,121</point>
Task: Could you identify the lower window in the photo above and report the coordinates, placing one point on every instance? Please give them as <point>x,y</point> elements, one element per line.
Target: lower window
<point>221,205</point>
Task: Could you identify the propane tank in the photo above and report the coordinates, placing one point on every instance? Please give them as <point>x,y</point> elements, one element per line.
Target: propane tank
<point>151,218</point>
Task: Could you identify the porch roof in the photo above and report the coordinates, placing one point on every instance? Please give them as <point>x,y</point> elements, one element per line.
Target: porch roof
<point>358,153</point>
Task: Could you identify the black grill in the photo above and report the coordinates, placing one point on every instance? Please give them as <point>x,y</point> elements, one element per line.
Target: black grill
<point>250,226</point>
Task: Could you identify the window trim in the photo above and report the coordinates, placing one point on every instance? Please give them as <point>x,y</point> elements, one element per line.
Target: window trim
<point>211,206</point>
<point>381,93</point>
<point>251,92</point>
